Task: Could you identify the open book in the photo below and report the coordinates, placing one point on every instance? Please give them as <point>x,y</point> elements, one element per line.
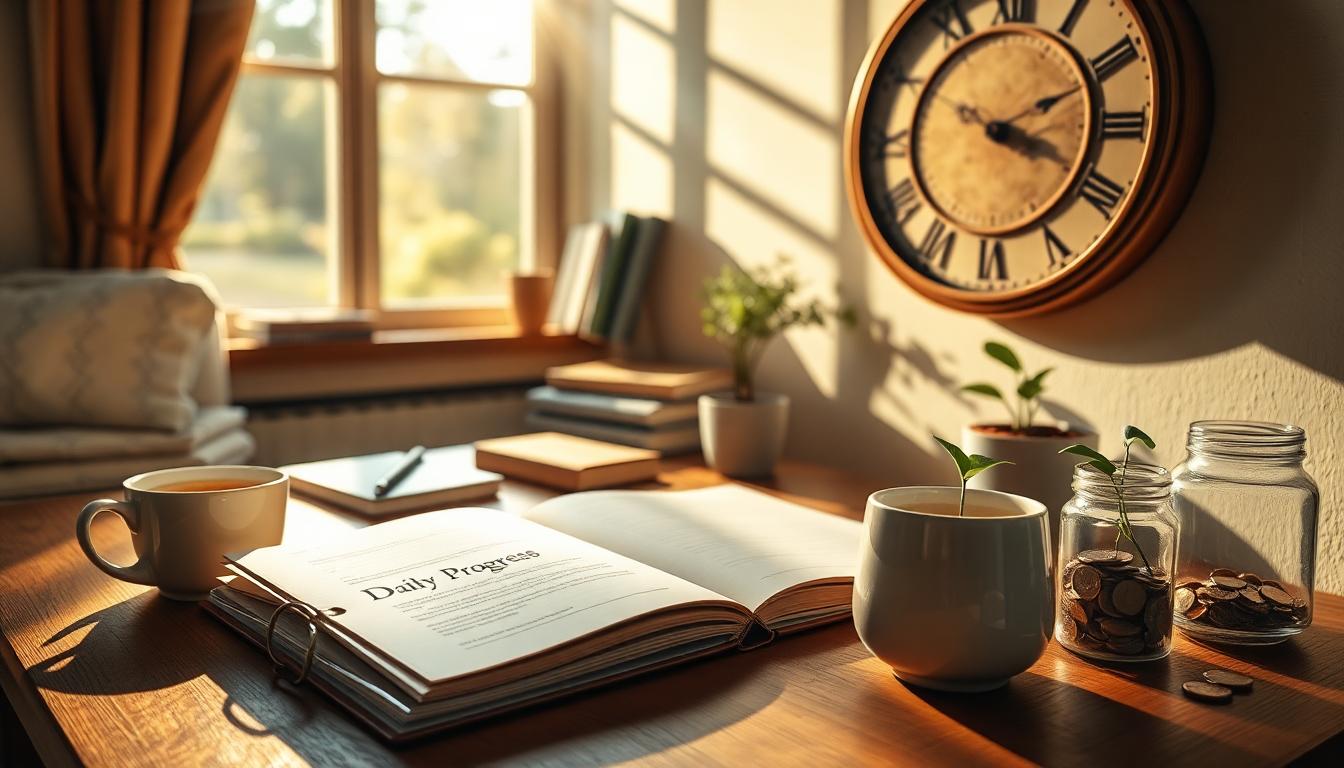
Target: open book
<point>451,616</point>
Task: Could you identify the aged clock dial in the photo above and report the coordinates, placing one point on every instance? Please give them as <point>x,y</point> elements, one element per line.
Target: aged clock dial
<point>1010,156</point>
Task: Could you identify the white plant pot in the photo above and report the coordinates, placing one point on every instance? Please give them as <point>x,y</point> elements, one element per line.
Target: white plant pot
<point>1038,470</point>
<point>743,439</point>
<point>954,603</point>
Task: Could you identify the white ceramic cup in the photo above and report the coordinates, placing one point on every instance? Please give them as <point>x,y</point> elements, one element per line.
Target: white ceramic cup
<point>954,603</point>
<point>180,537</point>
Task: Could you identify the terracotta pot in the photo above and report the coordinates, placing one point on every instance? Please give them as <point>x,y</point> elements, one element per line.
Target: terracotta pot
<point>743,439</point>
<point>1038,470</point>
<point>531,300</point>
<point>954,603</point>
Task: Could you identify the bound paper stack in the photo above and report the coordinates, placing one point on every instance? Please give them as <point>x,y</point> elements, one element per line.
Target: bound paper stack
<point>646,405</point>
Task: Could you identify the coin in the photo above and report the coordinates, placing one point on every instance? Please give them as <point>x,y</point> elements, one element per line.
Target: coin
<point>1125,646</point>
<point>1271,583</point>
<point>1276,595</point>
<point>1222,572</point>
<point>1157,616</point>
<point>1185,599</point>
<point>1196,610</point>
<point>1104,556</point>
<point>1216,593</point>
<point>1086,581</point>
<point>1252,595</point>
<point>1228,679</point>
<point>1229,582</point>
<point>1077,612</point>
<point>1202,691</point>
<point>1119,628</point>
<point>1249,578</point>
<point>1129,597</point>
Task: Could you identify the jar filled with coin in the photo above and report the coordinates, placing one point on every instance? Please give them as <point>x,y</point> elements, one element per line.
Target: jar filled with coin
<point>1248,513</point>
<point>1117,552</point>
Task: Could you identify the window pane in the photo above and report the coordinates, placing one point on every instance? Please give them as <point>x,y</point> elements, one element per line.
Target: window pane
<point>461,39</point>
<point>453,185</point>
<point>263,229</point>
<point>296,31</point>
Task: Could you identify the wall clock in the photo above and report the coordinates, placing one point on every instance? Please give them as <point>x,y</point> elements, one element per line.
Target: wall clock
<point>1012,157</point>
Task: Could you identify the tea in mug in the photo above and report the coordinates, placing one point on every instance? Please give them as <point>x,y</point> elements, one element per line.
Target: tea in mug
<point>198,486</point>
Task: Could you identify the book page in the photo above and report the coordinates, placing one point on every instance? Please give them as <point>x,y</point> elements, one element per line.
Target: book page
<point>461,590</point>
<point>738,542</point>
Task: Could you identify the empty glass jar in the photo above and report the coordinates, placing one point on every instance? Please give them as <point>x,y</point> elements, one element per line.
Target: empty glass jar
<point>1116,589</point>
<point>1248,512</point>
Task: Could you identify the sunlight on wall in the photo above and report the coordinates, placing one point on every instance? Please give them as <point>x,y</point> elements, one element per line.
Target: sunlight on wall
<point>881,13</point>
<point>753,236</point>
<point>643,78</point>
<point>788,162</point>
<point>641,173</point>
<point>660,13</point>
<point>792,49</point>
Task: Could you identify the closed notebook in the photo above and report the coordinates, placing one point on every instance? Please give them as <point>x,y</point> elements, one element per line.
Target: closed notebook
<point>443,476</point>
<point>566,462</point>
<point>660,381</point>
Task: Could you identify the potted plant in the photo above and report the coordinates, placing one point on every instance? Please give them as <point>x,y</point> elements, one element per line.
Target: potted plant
<point>954,589</point>
<point>1038,470</point>
<point>742,432</point>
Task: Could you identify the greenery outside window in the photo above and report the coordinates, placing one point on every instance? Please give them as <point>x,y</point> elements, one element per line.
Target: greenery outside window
<point>378,154</point>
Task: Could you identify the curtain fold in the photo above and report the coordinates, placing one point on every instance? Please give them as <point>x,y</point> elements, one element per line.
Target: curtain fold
<point>129,99</point>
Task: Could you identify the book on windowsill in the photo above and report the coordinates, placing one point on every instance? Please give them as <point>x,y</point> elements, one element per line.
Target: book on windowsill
<point>566,462</point>
<point>445,618</point>
<point>667,439</point>
<point>296,326</point>
<point>657,381</point>
<point>444,476</point>
<point>635,411</point>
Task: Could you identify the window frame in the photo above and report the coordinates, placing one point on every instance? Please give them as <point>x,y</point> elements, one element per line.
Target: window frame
<point>352,153</point>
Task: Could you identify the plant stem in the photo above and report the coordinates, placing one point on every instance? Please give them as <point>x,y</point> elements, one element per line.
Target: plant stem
<point>742,387</point>
<point>1124,527</point>
<point>961,508</point>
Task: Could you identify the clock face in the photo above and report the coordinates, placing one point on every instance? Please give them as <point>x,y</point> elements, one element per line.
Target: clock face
<point>996,147</point>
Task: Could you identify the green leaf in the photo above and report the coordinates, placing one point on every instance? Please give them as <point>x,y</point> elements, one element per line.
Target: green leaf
<point>988,390</point>
<point>1095,459</point>
<point>959,456</point>
<point>1031,388</point>
<point>1134,433</point>
<point>1003,354</point>
<point>968,466</point>
<point>980,464</point>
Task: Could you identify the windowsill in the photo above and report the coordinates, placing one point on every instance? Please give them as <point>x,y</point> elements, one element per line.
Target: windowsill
<point>397,360</point>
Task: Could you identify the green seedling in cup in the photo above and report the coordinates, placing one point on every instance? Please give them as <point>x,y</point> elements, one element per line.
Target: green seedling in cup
<point>967,467</point>
<point>1117,474</point>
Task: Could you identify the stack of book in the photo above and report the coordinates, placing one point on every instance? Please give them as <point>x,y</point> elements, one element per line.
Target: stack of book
<point>601,279</point>
<point>646,405</point>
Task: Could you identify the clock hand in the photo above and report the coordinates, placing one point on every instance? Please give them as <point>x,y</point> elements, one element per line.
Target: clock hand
<point>1031,145</point>
<point>965,112</point>
<point>1042,105</point>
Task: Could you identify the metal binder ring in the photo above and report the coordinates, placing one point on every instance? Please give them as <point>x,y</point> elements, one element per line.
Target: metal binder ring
<point>310,614</point>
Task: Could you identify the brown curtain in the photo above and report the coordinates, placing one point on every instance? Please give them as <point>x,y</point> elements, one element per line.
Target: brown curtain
<point>130,97</point>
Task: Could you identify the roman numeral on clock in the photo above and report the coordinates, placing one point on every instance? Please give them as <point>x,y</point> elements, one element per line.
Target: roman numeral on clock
<point>1114,58</point>
<point>1122,125</point>
<point>1014,10</point>
<point>895,145</point>
<point>1101,192</point>
<point>903,202</point>
<point>937,243</point>
<point>1071,19</point>
<point>1055,248</point>
<point>946,16</point>
<point>992,261</point>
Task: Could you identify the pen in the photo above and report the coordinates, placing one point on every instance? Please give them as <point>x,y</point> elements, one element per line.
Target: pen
<point>399,473</point>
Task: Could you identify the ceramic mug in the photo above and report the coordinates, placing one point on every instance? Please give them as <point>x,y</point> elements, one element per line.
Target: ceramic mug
<point>184,520</point>
<point>954,603</point>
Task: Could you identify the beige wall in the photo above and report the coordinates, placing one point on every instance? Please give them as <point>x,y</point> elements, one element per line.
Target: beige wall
<point>20,231</point>
<point>726,116</point>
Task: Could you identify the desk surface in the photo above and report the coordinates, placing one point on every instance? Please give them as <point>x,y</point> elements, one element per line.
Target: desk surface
<point>103,673</point>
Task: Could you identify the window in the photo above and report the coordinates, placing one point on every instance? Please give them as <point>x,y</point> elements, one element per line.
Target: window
<point>377,154</point>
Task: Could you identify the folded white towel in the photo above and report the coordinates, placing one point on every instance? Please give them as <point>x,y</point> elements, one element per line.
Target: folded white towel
<point>234,446</point>
<point>45,444</point>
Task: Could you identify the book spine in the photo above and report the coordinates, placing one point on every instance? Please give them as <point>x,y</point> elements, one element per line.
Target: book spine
<point>643,253</point>
<point>612,272</point>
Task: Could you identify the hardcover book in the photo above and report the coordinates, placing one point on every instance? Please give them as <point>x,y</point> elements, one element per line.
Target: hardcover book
<point>566,462</point>
<point>440,619</point>
<point>666,439</point>
<point>638,411</point>
<point>658,381</point>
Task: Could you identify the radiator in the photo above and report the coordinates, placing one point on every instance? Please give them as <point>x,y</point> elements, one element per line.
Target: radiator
<point>290,433</point>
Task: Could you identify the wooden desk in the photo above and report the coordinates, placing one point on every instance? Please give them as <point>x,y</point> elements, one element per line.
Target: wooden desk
<point>108,673</point>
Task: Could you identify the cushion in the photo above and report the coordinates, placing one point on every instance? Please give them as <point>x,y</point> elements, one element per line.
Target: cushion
<point>105,348</point>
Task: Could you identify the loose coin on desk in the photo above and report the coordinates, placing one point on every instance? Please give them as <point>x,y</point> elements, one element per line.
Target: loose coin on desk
<point>1232,680</point>
<point>1202,691</point>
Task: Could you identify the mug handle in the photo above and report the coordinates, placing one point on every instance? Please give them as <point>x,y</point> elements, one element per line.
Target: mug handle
<point>139,572</point>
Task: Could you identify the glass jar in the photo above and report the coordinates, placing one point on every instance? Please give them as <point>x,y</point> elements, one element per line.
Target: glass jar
<point>1116,589</point>
<point>1248,510</point>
